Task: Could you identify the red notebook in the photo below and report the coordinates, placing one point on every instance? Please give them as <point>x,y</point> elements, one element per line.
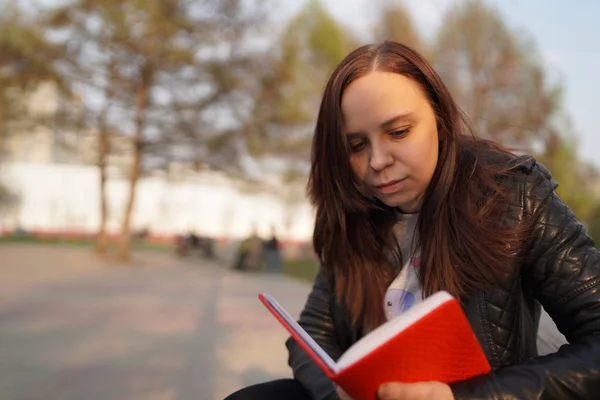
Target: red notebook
<point>431,341</point>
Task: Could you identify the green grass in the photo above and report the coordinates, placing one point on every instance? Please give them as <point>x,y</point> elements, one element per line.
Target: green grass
<point>58,241</point>
<point>80,243</point>
<point>304,269</point>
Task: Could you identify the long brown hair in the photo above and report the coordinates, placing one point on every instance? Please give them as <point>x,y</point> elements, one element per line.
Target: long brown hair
<point>462,245</point>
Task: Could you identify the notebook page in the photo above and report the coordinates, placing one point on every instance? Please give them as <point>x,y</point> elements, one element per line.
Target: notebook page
<point>389,329</point>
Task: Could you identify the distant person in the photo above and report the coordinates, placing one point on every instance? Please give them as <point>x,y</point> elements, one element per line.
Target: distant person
<point>240,258</point>
<point>255,257</point>
<point>273,262</point>
<point>208,248</point>
<point>250,253</point>
<point>182,246</point>
<point>194,240</point>
<point>408,203</point>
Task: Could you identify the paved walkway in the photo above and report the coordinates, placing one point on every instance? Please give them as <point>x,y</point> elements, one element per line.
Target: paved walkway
<point>75,327</point>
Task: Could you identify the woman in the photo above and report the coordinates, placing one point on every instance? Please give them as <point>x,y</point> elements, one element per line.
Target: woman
<point>407,203</point>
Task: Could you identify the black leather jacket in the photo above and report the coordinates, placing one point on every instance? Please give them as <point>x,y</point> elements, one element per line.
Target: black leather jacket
<point>564,277</point>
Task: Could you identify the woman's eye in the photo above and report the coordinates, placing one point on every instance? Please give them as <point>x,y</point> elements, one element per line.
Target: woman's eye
<point>400,133</point>
<point>357,146</point>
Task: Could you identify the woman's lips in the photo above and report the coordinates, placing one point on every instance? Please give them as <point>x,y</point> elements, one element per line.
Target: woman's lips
<point>391,187</point>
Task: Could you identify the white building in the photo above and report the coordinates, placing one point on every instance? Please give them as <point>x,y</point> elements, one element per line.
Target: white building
<point>65,198</point>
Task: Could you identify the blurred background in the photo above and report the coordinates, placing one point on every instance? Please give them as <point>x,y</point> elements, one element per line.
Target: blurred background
<point>153,163</point>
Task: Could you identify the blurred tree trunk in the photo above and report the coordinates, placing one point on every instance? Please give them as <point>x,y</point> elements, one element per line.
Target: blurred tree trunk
<point>124,249</point>
<point>3,125</point>
<point>103,152</point>
<point>102,238</point>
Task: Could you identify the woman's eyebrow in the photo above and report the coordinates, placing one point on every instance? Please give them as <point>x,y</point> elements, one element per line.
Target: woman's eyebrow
<point>390,122</point>
<point>387,124</point>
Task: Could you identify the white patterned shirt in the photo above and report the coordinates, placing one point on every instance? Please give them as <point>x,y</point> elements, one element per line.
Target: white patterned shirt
<point>405,290</point>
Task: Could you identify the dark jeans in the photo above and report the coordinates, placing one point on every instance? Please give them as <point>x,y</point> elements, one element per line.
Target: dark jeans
<point>283,389</point>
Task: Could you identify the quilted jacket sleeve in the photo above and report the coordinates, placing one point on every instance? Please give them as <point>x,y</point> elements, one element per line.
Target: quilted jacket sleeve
<point>564,274</point>
<point>316,319</point>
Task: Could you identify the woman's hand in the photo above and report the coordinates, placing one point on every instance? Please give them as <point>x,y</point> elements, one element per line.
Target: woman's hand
<point>407,391</point>
<point>415,391</point>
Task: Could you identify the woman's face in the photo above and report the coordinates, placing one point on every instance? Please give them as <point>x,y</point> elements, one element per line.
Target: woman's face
<point>392,132</point>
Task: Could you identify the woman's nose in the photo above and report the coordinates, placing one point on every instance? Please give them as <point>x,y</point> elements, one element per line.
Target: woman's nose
<point>381,157</point>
